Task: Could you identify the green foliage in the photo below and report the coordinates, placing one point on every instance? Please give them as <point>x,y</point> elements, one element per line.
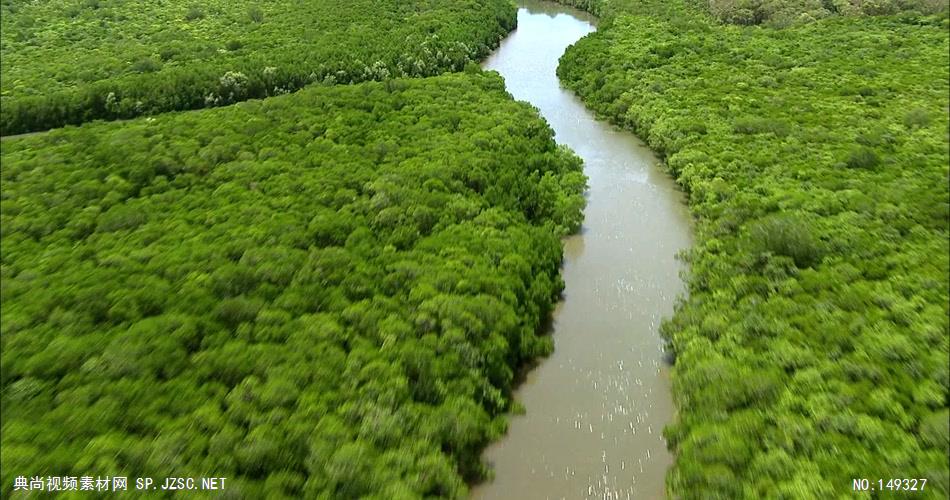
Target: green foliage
<point>320,295</point>
<point>779,13</point>
<point>761,126</point>
<point>59,66</point>
<point>917,118</point>
<point>786,236</point>
<point>194,13</point>
<point>255,14</point>
<point>813,346</point>
<point>146,65</point>
<point>862,157</point>
<point>593,6</point>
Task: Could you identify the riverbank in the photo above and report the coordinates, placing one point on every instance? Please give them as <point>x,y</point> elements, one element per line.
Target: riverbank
<point>323,294</point>
<point>813,347</point>
<point>111,60</point>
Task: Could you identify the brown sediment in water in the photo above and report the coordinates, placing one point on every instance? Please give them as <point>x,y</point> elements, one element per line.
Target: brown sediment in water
<point>596,408</point>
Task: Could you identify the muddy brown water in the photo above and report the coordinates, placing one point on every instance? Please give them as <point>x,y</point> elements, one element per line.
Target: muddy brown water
<point>596,408</point>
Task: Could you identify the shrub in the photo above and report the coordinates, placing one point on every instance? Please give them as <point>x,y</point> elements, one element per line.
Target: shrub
<point>233,85</point>
<point>917,118</point>
<point>761,126</point>
<point>233,312</point>
<point>788,236</point>
<point>194,13</point>
<point>255,14</point>
<point>862,157</point>
<point>146,65</point>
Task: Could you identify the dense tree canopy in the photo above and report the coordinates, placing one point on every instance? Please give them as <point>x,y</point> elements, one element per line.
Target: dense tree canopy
<point>319,295</point>
<point>779,13</point>
<point>813,347</point>
<point>70,61</point>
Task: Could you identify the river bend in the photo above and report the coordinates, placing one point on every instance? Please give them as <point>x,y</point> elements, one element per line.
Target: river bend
<point>597,406</point>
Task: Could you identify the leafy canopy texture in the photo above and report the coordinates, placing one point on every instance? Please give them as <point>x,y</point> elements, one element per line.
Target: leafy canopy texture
<point>319,295</point>
<point>813,346</point>
<point>70,61</point>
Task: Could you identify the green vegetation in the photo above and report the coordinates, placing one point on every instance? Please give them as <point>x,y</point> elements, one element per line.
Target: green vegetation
<point>813,347</point>
<point>595,7</point>
<point>319,295</point>
<point>778,13</point>
<point>70,61</point>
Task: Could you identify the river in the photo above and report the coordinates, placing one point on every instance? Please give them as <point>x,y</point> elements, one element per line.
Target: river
<point>597,406</point>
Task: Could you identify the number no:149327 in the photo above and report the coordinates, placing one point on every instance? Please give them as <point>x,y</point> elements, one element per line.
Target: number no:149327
<point>892,484</point>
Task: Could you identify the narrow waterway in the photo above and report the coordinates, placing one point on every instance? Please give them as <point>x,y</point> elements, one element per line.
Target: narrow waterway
<point>597,407</point>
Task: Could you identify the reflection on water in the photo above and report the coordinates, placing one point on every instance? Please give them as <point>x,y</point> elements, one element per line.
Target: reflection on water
<point>597,407</point>
<point>552,9</point>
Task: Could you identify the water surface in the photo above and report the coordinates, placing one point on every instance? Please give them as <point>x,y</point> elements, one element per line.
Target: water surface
<point>597,407</point>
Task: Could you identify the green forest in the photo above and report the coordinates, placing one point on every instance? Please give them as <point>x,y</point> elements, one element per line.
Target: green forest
<point>72,61</point>
<point>813,145</point>
<point>783,13</point>
<point>309,245</point>
<point>324,294</point>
